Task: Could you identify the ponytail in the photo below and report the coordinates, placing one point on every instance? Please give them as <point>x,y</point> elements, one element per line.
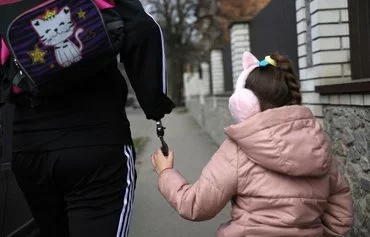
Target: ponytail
<point>290,77</point>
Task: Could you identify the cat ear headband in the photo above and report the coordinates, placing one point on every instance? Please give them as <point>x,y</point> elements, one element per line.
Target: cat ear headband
<point>244,103</point>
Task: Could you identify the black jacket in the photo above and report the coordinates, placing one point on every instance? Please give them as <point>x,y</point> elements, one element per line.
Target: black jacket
<point>144,58</point>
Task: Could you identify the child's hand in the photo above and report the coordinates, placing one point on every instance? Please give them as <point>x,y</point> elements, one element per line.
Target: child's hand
<point>160,162</point>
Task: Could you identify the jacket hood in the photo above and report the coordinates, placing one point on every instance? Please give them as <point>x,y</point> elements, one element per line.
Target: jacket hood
<point>286,140</point>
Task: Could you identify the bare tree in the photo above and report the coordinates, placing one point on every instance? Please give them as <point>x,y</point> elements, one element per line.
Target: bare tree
<point>178,21</point>
<point>208,25</point>
<point>192,28</point>
<point>215,16</point>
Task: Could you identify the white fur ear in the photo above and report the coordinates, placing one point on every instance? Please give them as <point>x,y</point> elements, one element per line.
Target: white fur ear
<point>243,104</point>
<point>249,60</point>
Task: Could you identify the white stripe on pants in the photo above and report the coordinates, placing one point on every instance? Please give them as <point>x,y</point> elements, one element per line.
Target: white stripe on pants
<point>125,217</point>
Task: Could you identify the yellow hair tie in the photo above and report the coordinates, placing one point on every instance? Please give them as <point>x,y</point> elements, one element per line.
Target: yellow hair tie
<point>267,61</point>
<point>271,61</point>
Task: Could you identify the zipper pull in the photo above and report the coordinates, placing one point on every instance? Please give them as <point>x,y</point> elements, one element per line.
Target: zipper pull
<point>19,68</point>
<point>17,64</point>
<point>17,79</point>
<point>19,76</point>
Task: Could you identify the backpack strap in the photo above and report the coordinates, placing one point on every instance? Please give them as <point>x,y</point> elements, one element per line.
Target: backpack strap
<point>7,112</point>
<point>104,4</point>
<point>6,2</point>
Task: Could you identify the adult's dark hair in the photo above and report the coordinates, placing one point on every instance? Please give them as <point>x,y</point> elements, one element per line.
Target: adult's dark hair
<point>275,86</point>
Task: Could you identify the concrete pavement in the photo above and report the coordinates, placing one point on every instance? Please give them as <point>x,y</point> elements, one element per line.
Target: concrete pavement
<point>152,215</point>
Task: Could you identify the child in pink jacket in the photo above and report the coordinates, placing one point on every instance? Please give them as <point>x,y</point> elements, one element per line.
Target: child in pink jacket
<point>276,164</point>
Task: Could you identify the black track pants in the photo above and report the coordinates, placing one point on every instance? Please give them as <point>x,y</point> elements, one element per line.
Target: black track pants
<point>79,192</point>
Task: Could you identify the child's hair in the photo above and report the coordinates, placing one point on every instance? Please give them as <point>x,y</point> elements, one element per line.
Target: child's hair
<point>275,86</point>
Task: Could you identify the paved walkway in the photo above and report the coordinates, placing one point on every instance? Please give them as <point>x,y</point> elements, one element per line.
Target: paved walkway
<point>152,215</point>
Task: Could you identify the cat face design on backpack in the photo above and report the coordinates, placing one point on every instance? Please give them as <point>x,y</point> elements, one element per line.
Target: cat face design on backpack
<point>56,29</point>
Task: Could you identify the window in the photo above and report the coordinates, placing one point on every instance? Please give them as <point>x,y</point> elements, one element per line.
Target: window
<point>359,27</point>
<point>359,23</point>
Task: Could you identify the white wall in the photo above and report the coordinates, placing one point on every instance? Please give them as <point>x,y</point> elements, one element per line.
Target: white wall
<point>217,70</point>
<point>240,43</point>
<point>324,52</point>
<point>196,86</point>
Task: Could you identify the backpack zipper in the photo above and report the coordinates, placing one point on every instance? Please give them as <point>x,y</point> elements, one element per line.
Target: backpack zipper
<point>17,78</point>
<point>17,65</point>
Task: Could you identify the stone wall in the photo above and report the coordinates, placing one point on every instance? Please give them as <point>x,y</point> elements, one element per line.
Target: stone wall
<point>349,128</point>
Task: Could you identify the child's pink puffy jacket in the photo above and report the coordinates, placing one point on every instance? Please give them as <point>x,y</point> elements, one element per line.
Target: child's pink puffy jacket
<point>278,170</point>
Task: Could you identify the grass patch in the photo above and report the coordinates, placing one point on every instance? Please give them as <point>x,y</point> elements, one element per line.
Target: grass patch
<point>182,110</point>
<point>138,142</point>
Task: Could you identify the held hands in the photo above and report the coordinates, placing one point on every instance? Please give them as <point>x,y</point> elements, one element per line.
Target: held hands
<point>161,162</point>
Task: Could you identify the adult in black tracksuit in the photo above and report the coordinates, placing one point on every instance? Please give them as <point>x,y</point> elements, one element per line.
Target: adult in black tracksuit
<point>73,154</point>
